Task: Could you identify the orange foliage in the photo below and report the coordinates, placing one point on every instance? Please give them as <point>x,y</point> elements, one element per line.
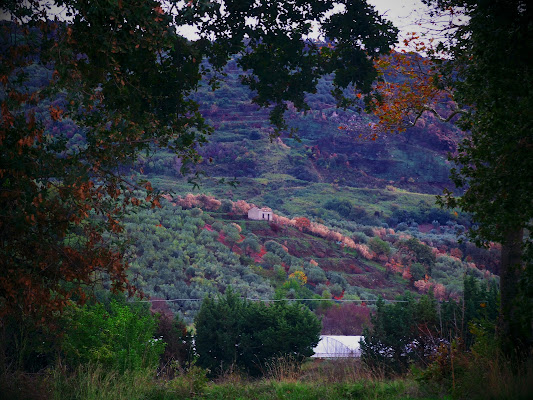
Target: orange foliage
<point>395,266</point>
<point>400,102</point>
<point>302,223</point>
<point>381,232</point>
<point>364,251</point>
<point>241,207</point>
<point>280,220</point>
<point>406,274</point>
<point>237,226</point>
<point>425,285</point>
<point>202,201</point>
<point>456,253</point>
<point>299,276</point>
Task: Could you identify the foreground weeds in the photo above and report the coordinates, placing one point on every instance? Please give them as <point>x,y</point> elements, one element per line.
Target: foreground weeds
<point>317,379</point>
<point>267,389</point>
<point>93,382</point>
<point>483,373</point>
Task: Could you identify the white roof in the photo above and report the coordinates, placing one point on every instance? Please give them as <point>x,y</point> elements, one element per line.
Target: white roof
<point>333,346</point>
<point>264,209</point>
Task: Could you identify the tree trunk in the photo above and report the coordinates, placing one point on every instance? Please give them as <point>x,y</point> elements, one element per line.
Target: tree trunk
<point>514,334</point>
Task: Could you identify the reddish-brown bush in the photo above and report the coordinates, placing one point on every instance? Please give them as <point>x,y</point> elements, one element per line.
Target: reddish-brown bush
<point>345,319</point>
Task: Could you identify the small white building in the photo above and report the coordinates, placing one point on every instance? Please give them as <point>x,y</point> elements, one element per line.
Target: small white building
<point>256,213</point>
<point>336,346</point>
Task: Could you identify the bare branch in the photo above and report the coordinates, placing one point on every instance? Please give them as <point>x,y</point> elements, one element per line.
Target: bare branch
<point>436,114</point>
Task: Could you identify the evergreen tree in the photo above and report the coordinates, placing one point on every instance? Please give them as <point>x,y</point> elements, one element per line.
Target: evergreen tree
<point>235,333</point>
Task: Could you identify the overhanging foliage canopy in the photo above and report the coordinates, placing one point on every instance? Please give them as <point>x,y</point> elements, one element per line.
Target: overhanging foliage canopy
<point>119,75</point>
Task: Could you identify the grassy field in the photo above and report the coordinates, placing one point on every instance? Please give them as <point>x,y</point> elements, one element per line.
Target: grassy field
<point>293,197</point>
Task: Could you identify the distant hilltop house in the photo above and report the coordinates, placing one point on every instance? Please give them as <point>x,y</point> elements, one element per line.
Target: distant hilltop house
<point>264,213</point>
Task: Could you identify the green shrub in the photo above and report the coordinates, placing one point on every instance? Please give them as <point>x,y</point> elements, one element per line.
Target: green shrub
<point>217,226</point>
<point>196,212</point>
<point>120,337</point>
<point>190,384</point>
<point>418,271</point>
<point>421,252</point>
<point>270,260</point>
<point>235,333</point>
<point>316,275</point>
<point>378,246</point>
<point>231,234</point>
<point>226,206</point>
<point>250,244</point>
<point>336,278</point>
<point>359,237</point>
<point>395,341</point>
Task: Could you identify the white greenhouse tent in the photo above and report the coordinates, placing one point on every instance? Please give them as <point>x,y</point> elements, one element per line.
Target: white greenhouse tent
<point>334,346</point>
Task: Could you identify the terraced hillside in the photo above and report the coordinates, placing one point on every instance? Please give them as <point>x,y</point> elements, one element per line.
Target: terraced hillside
<point>197,245</point>
<point>331,144</point>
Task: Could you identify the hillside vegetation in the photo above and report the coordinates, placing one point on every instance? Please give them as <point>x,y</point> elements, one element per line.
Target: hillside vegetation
<point>377,194</point>
<point>183,252</point>
<point>329,145</point>
<point>133,264</point>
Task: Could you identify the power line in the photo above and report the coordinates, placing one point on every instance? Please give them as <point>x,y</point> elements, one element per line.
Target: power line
<point>274,300</point>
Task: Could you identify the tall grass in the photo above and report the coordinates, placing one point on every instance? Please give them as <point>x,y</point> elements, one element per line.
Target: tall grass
<point>482,373</point>
<point>333,381</point>
<point>477,378</point>
<point>93,382</point>
<point>498,378</point>
<point>283,368</point>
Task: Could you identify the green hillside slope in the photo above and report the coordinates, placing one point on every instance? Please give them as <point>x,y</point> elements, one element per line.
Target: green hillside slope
<point>182,255</point>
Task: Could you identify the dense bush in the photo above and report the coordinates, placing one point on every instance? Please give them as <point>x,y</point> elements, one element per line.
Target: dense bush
<point>235,333</point>
<point>401,334</point>
<point>270,260</point>
<point>379,246</point>
<point>349,211</point>
<point>423,215</point>
<point>336,278</point>
<point>250,244</point>
<point>410,332</point>
<point>316,275</point>
<point>231,234</point>
<point>25,346</point>
<point>178,342</point>
<point>120,336</point>
<point>345,319</point>
<point>418,271</point>
<point>418,251</point>
<point>360,237</point>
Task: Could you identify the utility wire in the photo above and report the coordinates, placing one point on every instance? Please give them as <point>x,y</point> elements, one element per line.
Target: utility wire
<point>273,300</point>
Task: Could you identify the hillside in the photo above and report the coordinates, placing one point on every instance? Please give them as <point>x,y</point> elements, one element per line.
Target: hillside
<point>374,199</point>
<point>331,145</point>
<point>198,245</point>
<point>329,173</point>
